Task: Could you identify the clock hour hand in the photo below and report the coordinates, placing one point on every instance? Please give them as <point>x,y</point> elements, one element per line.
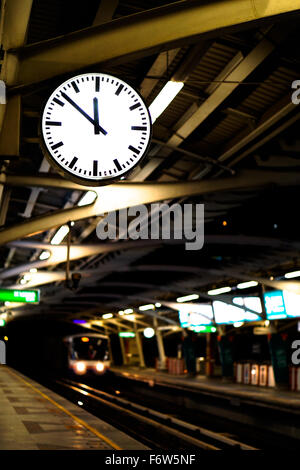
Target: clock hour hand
<point>96,116</point>
<point>96,125</point>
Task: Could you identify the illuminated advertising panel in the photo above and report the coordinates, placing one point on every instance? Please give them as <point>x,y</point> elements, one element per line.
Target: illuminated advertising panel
<point>227,313</point>
<point>203,314</point>
<point>200,318</point>
<point>274,305</point>
<point>282,304</point>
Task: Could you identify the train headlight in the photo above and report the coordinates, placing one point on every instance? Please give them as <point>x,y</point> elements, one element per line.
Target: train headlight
<point>99,367</point>
<point>80,367</point>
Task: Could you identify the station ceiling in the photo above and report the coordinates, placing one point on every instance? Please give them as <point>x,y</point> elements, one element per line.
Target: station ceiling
<point>229,140</point>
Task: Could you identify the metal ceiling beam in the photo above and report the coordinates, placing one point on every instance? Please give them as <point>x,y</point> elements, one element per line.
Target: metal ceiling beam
<point>105,11</point>
<point>15,16</point>
<point>126,194</point>
<point>142,34</point>
<point>58,254</point>
<point>10,131</point>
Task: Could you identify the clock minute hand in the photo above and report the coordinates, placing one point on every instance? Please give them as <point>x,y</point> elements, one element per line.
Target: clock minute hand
<point>92,121</point>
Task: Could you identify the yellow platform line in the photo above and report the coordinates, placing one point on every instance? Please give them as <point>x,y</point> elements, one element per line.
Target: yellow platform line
<point>75,418</point>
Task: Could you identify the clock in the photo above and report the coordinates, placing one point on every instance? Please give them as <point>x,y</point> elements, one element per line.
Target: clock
<point>95,128</point>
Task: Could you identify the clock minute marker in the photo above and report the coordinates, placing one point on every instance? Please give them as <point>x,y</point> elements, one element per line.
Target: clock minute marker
<point>56,146</point>
<point>97,84</point>
<point>138,128</point>
<point>120,88</point>
<point>95,168</point>
<point>57,101</point>
<point>133,149</point>
<point>134,106</point>
<point>74,85</point>
<point>116,162</point>
<point>73,162</point>
<point>53,123</point>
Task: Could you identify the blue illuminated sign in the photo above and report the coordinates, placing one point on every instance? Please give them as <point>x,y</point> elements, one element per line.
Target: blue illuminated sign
<point>275,305</point>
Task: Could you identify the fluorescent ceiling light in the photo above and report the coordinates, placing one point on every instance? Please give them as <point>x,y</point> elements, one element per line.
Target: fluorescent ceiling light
<point>44,255</point>
<point>60,235</point>
<point>88,198</point>
<point>245,285</point>
<point>128,310</point>
<point>164,98</point>
<point>27,277</point>
<point>292,274</point>
<point>147,307</point>
<point>22,281</point>
<point>186,298</point>
<point>237,324</point>
<point>157,305</point>
<point>121,312</point>
<point>33,270</point>
<point>221,290</point>
<point>107,315</point>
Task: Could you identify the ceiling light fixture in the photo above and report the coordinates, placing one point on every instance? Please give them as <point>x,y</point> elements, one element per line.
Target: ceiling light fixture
<point>44,255</point>
<point>187,298</point>
<point>146,307</point>
<point>107,315</point>
<point>164,98</point>
<point>221,290</point>
<point>292,274</point>
<point>245,285</point>
<point>60,235</point>
<point>88,198</point>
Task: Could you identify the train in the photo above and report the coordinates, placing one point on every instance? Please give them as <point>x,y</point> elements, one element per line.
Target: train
<point>88,353</point>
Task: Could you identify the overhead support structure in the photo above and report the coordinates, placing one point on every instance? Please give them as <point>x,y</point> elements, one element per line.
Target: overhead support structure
<point>142,34</point>
<point>126,194</point>
<point>139,346</point>
<point>58,253</point>
<point>160,345</point>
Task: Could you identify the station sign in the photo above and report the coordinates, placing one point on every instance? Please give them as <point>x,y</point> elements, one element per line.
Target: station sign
<point>204,329</point>
<point>15,295</point>
<point>274,305</point>
<point>282,304</point>
<point>261,330</point>
<point>126,334</point>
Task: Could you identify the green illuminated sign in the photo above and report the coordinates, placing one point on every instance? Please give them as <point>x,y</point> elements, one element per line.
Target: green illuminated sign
<point>204,329</point>
<point>15,295</point>
<point>126,334</point>
<point>2,322</point>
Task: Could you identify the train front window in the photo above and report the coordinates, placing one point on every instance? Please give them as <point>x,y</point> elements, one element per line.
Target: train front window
<point>93,349</point>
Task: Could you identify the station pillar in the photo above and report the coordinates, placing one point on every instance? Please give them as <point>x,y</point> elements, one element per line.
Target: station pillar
<point>278,353</point>
<point>160,345</point>
<point>139,346</point>
<point>225,352</point>
<point>209,364</point>
<point>109,345</point>
<point>122,346</point>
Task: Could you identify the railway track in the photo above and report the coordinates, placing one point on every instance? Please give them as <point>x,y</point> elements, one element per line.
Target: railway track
<point>155,429</point>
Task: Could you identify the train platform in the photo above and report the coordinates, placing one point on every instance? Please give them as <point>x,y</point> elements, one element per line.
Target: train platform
<point>285,400</point>
<point>33,417</point>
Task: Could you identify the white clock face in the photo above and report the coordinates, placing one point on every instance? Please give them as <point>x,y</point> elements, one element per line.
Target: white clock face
<point>95,128</point>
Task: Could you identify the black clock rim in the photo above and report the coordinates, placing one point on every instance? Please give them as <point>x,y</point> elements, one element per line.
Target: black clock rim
<point>78,179</point>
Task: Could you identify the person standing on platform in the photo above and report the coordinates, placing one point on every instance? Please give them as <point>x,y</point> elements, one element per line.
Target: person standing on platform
<point>189,352</point>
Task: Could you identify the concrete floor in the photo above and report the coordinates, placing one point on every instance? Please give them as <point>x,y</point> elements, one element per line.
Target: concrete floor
<point>33,417</point>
